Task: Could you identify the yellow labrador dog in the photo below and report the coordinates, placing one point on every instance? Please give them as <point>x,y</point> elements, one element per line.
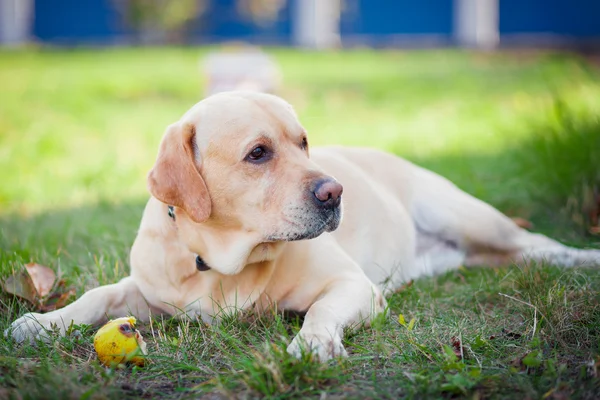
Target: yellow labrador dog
<point>243,214</point>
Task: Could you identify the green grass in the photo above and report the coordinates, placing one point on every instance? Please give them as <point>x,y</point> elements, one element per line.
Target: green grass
<point>80,129</point>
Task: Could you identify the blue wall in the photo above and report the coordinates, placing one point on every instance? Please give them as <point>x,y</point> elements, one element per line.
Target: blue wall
<point>576,17</point>
<point>222,21</point>
<point>75,21</point>
<point>97,21</point>
<point>389,17</point>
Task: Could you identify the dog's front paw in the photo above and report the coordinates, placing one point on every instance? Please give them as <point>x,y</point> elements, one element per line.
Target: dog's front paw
<point>324,346</point>
<point>34,326</point>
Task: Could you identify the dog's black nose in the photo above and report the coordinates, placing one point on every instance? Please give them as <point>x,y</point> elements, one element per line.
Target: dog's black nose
<point>328,193</point>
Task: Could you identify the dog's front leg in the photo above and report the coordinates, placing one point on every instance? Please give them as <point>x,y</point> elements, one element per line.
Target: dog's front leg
<point>118,300</point>
<point>349,301</point>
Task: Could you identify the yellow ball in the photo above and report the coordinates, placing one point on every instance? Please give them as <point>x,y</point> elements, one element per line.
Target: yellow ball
<point>118,342</point>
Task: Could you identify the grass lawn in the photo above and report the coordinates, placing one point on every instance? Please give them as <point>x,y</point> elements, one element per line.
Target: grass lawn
<point>80,129</point>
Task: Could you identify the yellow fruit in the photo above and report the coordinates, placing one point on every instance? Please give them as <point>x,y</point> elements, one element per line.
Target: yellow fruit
<point>118,342</point>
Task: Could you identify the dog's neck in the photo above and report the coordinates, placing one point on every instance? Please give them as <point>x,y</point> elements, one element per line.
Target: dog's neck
<point>201,265</point>
<point>226,251</point>
<point>230,252</point>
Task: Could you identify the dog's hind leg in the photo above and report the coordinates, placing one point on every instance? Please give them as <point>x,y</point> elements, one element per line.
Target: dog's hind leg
<point>487,236</point>
<point>506,243</point>
<point>560,255</point>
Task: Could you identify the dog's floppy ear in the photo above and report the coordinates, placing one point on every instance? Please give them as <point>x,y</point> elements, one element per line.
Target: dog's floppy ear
<point>175,179</point>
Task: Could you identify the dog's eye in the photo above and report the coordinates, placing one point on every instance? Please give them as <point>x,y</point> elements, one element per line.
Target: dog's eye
<point>259,153</point>
<point>304,144</point>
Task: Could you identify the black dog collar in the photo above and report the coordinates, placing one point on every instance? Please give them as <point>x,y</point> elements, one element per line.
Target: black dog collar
<point>200,264</point>
<point>171,211</point>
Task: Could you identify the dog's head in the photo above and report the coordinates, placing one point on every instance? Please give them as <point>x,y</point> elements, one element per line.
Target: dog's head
<point>240,161</point>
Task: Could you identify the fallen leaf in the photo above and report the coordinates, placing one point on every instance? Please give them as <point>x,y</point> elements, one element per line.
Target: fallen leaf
<point>405,286</point>
<point>457,347</point>
<point>548,393</point>
<point>20,285</point>
<point>42,277</point>
<point>57,300</point>
<point>35,283</point>
<point>401,320</point>
<point>522,222</point>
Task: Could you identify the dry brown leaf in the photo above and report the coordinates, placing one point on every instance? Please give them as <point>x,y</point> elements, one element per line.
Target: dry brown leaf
<point>42,277</point>
<point>404,286</point>
<point>20,285</point>
<point>457,347</point>
<point>522,222</point>
<point>35,284</point>
<point>57,300</point>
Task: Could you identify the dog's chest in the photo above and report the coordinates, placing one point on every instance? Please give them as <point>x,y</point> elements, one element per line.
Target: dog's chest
<point>210,295</point>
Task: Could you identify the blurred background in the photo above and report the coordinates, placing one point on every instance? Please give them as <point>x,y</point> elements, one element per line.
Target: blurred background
<point>308,23</point>
<point>500,96</point>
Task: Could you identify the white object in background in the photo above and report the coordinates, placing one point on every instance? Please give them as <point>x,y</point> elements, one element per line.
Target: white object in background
<point>15,21</point>
<point>316,23</point>
<point>241,68</point>
<point>476,23</point>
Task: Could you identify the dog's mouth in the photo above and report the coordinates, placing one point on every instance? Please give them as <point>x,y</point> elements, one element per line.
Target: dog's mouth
<point>310,227</point>
<point>329,225</point>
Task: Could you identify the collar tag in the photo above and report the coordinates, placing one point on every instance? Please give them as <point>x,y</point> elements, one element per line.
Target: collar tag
<point>171,211</point>
<point>201,265</point>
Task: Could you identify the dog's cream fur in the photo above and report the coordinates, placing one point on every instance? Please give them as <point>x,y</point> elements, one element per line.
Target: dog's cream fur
<point>245,218</point>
